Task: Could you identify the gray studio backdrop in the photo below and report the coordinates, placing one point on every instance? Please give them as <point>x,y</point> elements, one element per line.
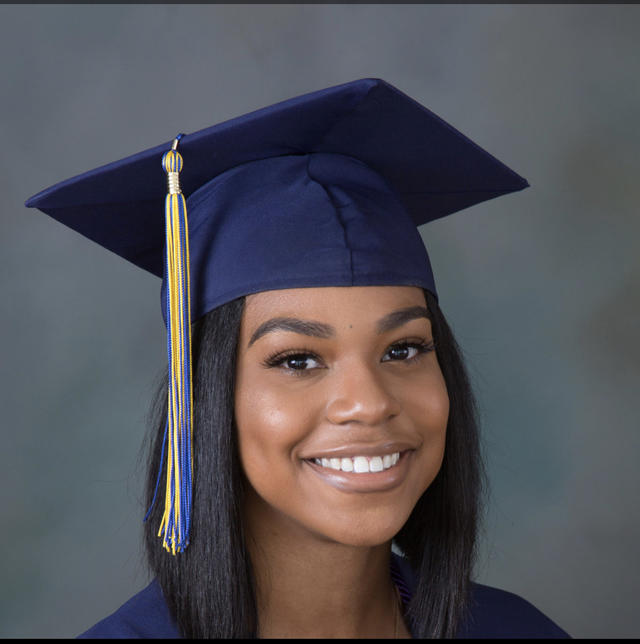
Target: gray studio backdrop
<point>540,287</point>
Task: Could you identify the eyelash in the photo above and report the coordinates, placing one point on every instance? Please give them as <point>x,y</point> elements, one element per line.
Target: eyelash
<point>279,358</point>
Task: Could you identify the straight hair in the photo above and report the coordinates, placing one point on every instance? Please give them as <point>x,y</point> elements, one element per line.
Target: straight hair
<point>210,589</point>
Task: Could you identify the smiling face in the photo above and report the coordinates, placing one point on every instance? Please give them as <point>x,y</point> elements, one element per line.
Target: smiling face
<point>341,410</point>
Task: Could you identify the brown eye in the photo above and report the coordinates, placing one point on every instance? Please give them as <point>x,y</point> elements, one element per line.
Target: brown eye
<point>293,361</point>
<point>402,353</point>
<point>299,362</point>
<point>407,351</point>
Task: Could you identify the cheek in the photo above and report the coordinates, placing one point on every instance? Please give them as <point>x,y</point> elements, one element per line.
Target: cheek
<point>271,421</point>
<point>426,401</point>
<point>427,404</point>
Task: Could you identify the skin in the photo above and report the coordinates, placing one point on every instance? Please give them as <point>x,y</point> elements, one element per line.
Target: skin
<point>320,550</point>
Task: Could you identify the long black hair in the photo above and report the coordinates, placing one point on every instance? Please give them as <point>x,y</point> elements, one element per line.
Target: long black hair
<point>210,588</point>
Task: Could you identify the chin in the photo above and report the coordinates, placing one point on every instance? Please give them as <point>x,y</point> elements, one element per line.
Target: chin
<point>365,533</point>
<point>365,541</point>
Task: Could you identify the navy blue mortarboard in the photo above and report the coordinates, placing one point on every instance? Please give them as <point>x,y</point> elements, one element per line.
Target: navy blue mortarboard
<point>325,189</point>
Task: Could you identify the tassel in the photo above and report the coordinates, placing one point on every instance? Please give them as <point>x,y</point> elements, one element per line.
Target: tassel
<point>175,524</point>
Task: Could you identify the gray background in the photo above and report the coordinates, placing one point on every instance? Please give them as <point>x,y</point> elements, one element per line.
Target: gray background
<point>540,287</point>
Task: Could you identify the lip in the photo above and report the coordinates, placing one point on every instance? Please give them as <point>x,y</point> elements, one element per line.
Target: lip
<point>360,449</point>
<point>367,481</point>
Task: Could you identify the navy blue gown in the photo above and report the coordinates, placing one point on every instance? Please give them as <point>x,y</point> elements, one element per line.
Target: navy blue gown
<point>494,613</point>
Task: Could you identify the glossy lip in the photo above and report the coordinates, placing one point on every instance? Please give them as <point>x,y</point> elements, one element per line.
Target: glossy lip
<point>360,449</point>
<point>368,481</point>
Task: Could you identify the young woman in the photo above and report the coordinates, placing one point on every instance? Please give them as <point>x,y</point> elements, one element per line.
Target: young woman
<point>316,436</point>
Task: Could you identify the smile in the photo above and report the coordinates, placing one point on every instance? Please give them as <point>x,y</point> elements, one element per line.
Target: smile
<point>363,474</point>
<point>360,464</point>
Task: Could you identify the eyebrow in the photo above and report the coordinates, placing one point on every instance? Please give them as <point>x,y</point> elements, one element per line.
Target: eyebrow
<point>389,322</point>
<point>397,318</point>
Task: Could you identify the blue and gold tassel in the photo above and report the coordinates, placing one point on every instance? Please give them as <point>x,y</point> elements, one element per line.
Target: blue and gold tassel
<point>175,524</point>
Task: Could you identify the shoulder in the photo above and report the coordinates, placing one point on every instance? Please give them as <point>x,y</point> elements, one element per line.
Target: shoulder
<point>497,613</point>
<point>145,615</point>
<point>492,612</point>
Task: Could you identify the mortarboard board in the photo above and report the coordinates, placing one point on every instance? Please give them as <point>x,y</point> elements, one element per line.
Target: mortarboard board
<point>325,189</point>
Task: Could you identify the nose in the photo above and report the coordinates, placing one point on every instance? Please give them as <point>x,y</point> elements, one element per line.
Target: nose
<point>360,394</point>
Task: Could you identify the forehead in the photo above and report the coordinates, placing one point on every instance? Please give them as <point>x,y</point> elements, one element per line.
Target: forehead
<point>331,302</point>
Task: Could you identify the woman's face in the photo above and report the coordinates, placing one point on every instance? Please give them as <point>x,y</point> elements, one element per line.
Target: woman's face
<point>341,409</point>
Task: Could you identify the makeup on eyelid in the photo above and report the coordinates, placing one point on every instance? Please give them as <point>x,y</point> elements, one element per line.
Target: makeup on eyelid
<point>280,357</point>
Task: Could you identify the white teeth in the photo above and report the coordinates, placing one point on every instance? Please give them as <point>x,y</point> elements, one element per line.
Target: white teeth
<point>346,465</point>
<point>360,464</point>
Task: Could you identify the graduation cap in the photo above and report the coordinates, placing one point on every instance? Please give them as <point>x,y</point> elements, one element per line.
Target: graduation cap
<point>325,189</point>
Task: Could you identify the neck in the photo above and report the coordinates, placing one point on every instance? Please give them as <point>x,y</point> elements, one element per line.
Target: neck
<point>307,586</point>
